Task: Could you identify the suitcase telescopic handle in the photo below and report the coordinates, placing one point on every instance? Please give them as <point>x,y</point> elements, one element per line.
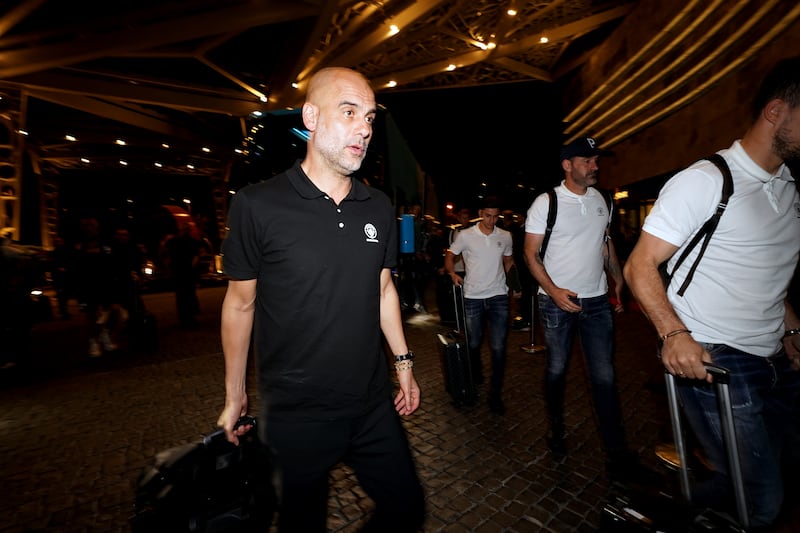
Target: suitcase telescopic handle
<point>721,381</point>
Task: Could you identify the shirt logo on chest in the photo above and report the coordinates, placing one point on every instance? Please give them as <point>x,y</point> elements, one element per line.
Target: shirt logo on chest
<point>371,232</point>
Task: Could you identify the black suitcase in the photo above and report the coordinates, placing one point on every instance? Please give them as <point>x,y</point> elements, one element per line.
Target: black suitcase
<point>455,360</point>
<point>208,486</point>
<point>661,511</point>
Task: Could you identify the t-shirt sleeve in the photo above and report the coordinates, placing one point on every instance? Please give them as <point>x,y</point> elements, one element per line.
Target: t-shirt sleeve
<point>240,249</point>
<point>685,202</point>
<point>457,246</point>
<point>536,219</point>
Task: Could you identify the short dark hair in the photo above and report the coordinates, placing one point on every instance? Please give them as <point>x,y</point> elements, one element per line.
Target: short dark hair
<point>490,202</point>
<point>782,82</point>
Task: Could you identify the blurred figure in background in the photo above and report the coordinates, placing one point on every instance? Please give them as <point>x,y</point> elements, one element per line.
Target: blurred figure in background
<point>181,258</point>
<point>91,269</point>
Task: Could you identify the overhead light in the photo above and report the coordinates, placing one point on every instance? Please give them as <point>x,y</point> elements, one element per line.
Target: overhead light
<point>451,67</point>
<point>206,149</point>
<point>123,162</point>
<point>512,12</point>
<point>263,98</point>
<point>393,29</point>
<point>392,84</point>
<point>491,45</point>
<point>165,145</point>
<point>157,164</point>
<point>543,39</point>
<point>22,132</point>
<point>84,160</point>
<point>190,166</point>
<point>70,138</point>
<point>120,142</point>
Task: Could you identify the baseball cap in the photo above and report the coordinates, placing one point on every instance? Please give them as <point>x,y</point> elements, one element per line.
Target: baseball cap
<point>583,147</point>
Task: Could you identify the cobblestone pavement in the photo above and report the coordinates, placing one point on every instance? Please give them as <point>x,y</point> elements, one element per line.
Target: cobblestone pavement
<point>76,432</point>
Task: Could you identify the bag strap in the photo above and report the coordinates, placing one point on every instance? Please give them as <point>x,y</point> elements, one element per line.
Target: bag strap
<point>710,225</point>
<point>551,221</point>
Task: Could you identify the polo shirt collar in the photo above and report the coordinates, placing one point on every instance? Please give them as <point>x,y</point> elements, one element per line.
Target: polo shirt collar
<point>591,192</point>
<point>306,188</point>
<point>751,168</point>
<point>741,157</point>
<point>475,228</point>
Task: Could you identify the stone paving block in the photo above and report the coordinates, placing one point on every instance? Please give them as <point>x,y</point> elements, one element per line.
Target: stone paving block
<point>74,438</point>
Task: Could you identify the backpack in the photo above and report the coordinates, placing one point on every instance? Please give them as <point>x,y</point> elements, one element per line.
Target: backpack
<point>705,231</point>
<point>553,211</point>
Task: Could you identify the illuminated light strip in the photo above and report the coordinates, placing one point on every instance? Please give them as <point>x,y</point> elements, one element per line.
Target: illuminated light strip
<point>630,63</point>
<point>785,22</point>
<point>707,36</point>
<point>303,134</point>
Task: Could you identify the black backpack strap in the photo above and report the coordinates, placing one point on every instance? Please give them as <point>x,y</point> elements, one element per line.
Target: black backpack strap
<point>710,225</point>
<point>551,221</point>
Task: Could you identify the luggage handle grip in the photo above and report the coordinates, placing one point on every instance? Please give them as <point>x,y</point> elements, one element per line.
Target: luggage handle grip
<point>245,420</point>
<point>720,373</point>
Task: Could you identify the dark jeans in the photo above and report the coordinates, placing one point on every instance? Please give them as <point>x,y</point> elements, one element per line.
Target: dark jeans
<point>595,329</point>
<point>764,396</point>
<point>494,312</point>
<point>373,445</point>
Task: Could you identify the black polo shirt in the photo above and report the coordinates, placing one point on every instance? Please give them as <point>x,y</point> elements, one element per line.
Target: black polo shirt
<point>317,334</point>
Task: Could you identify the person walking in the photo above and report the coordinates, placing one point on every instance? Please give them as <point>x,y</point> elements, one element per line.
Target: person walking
<point>488,257</point>
<point>735,312</point>
<point>309,255</point>
<point>573,298</point>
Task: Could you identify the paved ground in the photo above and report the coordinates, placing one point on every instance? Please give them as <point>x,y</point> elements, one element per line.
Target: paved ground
<point>75,433</point>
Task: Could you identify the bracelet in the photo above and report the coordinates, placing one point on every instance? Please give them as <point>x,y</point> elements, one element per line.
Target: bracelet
<point>791,332</point>
<point>406,364</point>
<point>673,333</point>
<point>405,357</point>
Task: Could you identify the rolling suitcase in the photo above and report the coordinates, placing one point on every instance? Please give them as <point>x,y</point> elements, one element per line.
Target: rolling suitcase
<point>208,486</point>
<point>664,512</point>
<point>455,360</point>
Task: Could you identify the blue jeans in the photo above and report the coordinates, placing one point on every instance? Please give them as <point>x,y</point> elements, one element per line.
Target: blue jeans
<point>595,328</point>
<point>764,396</point>
<point>494,312</point>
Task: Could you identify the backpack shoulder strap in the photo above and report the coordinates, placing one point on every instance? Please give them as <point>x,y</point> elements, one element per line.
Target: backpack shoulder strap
<point>710,225</point>
<point>552,212</point>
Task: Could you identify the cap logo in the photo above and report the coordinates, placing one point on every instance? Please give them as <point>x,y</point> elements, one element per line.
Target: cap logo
<point>591,142</point>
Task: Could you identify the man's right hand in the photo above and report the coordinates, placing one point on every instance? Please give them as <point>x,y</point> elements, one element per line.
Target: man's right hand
<point>228,418</point>
<point>565,299</point>
<point>456,279</point>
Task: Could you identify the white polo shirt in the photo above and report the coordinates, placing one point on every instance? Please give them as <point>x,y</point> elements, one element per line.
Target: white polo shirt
<point>736,295</point>
<point>574,255</point>
<point>483,259</point>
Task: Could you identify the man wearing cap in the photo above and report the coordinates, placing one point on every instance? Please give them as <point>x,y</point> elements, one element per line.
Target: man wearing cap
<point>573,295</point>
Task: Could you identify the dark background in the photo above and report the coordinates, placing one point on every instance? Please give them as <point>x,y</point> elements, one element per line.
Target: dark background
<point>496,139</point>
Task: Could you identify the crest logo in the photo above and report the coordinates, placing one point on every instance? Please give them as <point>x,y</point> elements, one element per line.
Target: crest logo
<point>371,232</point>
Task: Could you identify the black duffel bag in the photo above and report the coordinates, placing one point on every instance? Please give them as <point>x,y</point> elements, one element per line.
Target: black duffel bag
<point>208,486</point>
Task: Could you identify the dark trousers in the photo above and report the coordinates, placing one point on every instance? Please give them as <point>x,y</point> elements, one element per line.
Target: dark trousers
<point>373,445</point>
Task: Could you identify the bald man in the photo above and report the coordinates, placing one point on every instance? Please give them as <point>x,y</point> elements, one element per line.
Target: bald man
<point>309,256</point>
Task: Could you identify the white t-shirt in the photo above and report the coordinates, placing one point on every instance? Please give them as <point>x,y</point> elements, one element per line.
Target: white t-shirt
<point>736,295</point>
<point>574,255</point>
<point>483,259</point>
